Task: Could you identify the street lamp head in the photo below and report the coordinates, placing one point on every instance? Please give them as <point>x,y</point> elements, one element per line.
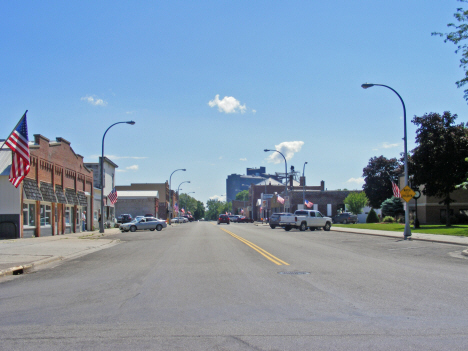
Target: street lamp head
<point>306,163</point>
<point>183,169</point>
<point>366,85</point>
<point>130,122</point>
<point>266,150</point>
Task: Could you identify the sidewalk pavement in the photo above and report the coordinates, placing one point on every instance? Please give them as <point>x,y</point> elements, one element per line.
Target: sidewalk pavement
<point>438,238</point>
<point>18,256</point>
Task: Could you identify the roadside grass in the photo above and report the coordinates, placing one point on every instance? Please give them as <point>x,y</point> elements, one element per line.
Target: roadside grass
<point>457,229</point>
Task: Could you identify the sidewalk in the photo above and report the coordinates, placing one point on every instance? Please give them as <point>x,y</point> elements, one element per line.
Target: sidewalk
<point>20,255</point>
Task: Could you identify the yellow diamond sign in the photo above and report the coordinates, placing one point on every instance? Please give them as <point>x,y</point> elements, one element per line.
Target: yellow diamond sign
<point>407,193</point>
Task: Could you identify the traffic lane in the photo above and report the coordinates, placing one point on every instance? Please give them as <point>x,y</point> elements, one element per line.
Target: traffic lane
<point>378,275</point>
<point>197,287</point>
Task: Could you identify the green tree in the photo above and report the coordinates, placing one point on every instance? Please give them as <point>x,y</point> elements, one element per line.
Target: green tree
<point>378,176</point>
<point>438,160</point>
<point>356,201</point>
<point>199,211</point>
<point>458,37</point>
<point>243,195</point>
<point>372,217</point>
<point>392,207</point>
<point>215,208</point>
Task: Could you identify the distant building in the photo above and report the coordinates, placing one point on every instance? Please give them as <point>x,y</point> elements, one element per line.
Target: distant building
<point>235,183</point>
<point>109,184</point>
<point>155,203</point>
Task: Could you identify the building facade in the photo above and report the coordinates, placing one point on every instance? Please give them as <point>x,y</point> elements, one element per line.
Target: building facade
<point>56,193</point>
<point>108,184</point>
<point>162,189</point>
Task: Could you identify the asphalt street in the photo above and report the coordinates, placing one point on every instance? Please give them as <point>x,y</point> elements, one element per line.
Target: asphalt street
<point>202,286</point>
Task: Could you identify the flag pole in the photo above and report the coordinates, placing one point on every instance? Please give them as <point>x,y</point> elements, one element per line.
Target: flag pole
<point>1,147</point>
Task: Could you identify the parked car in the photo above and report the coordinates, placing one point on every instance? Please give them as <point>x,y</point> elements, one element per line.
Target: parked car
<point>275,218</point>
<point>179,220</point>
<point>244,219</point>
<point>145,223</point>
<point>223,218</point>
<point>233,218</point>
<point>345,217</point>
<point>303,219</point>
<point>124,218</point>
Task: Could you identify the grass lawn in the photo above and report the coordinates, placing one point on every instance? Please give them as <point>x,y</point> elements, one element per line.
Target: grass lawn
<point>457,229</point>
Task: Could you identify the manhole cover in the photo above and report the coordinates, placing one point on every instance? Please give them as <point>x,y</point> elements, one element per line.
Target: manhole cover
<point>294,273</point>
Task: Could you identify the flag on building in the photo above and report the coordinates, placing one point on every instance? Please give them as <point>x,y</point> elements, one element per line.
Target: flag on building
<point>112,196</point>
<point>183,211</point>
<point>396,190</point>
<point>176,207</point>
<point>18,143</point>
<point>280,200</point>
<point>242,211</point>
<point>308,203</point>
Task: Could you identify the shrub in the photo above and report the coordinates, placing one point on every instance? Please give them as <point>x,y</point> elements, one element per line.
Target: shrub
<point>372,217</point>
<point>401,220</point>
<point>388,219</point>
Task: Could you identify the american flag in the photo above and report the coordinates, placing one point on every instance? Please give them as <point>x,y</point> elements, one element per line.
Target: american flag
<point>18,143</point>
<point>113,196</point>
<point>280,200</point>
<point>176,207</point>
<point>308,203</point>
<point>396,190</point>
<point>183,211</point>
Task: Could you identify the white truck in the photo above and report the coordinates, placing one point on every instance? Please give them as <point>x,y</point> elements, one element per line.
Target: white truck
<point>303,219</point>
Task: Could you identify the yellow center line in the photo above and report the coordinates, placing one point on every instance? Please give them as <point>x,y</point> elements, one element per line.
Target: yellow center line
<point>261,251</point>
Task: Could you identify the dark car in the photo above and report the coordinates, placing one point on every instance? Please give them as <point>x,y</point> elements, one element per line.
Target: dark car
<point>223,218</point>
<point>275,218</point>
<point>125,218</point>
<point>244,219</point>
<point>345,217</point>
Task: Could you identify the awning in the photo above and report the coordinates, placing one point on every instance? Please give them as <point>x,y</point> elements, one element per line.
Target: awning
<point>31,190</point>
<point>82,198</point>
<point>72,199</point>
<point>60,195</point>
<point>48,193</point>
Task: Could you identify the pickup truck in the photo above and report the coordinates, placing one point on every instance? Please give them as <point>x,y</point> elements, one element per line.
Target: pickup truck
<point>303,219</point>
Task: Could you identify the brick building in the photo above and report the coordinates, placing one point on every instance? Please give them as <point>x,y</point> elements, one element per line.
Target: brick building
<point>160,209</point>
<point>55,193</point>
<point>325,201</point>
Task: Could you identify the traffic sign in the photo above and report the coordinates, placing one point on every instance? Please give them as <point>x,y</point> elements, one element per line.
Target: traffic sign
<point>407,193</point>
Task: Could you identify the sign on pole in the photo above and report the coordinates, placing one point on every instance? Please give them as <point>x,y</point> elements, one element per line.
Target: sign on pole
<point>407,193</point>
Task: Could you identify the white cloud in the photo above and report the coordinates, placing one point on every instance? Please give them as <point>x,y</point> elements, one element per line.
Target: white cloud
<point>386,145</point>
<point>132,168</point>
<point>228,104</point>
<point>357,181</point>
<point>218,197</point>
<point>287,148</point>
<point>93,100</point>
<point>243,159</point>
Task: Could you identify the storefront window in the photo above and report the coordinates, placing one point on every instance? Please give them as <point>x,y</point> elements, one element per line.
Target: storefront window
<point>67,216</point>
<point>46,213</point>
<point>29,214</point>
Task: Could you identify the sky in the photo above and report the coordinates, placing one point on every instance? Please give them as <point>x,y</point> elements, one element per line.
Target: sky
<point>211,84</point>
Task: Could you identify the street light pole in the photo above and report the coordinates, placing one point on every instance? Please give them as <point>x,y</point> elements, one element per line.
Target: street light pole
<point>407,233</point>
<point>286,171</point>
<point>170,197</point>
<point>303,185</point>
<point>101,166</point>
<point>187,181</point>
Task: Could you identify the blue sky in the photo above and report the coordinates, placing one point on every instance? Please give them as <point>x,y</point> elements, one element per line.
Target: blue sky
<point>210,84</point>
